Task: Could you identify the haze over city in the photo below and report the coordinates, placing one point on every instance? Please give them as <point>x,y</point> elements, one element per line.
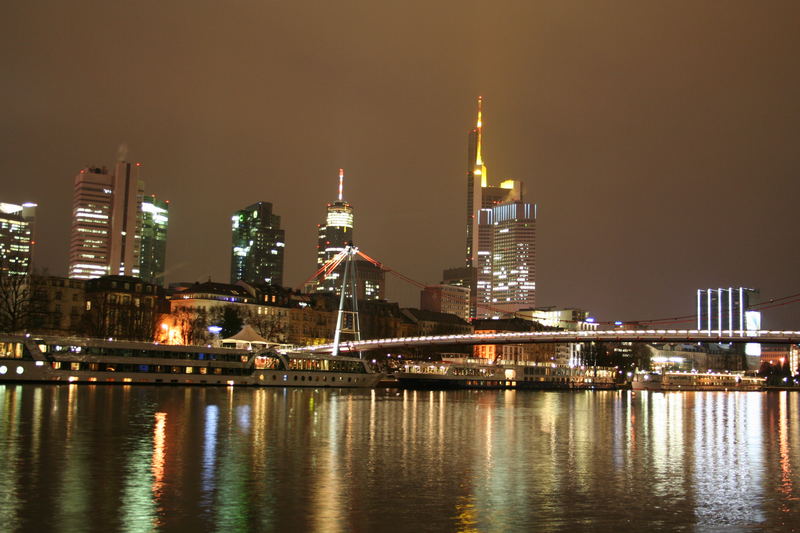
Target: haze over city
<point>659,142</point>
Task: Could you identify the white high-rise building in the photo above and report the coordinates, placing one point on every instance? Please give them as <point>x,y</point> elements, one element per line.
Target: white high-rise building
<point>90,242</point>
<point>106,222</point>
<point>513,257</point>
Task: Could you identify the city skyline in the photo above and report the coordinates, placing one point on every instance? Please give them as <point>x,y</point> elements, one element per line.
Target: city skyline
<point>631,165</point>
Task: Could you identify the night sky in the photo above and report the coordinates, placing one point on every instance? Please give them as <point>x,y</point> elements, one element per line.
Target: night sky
<point>661,141</point>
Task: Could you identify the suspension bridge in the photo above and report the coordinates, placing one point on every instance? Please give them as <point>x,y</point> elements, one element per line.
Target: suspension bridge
<point>348,323</point>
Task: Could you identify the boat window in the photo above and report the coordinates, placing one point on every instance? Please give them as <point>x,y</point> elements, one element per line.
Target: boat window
<point>12,350</point>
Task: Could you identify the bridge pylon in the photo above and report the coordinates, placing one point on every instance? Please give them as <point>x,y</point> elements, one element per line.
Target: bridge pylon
<point>347,321</point>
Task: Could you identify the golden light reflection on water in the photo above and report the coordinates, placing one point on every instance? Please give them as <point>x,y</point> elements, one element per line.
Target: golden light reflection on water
<point>786,485</point>
<point>261,421</point>
<point>72,406</point>
<point>9,451</point>
<point>159,454</point>
<point>327,490</point>
<point>466,515</point>
<point>36,426</point>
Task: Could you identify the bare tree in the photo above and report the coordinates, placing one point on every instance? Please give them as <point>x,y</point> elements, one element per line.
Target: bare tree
<point>229,318</point>
<point>270,325</point>
<point>119,316</point>
<point>193,324</point>
<point>15,301</point>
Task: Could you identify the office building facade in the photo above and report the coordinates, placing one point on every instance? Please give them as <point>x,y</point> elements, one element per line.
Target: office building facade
<point>722,309</point>
<point>258,245</point>
<point>153,253</point>
<point>90,241</point>
<point>16,237</point>
<point>370,281</point>
<point>126,220</point>
<point>513,257</point>
<point>445,298</point>
<point>107,222</point>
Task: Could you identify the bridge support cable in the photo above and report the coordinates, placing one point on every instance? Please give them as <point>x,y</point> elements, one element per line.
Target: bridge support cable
<point>328,267</point>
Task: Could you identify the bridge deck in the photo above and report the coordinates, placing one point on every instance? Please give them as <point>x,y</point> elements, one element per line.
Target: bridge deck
<point>650,335</point>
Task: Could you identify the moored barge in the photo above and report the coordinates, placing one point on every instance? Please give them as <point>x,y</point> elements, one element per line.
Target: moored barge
<point>78,360</point>
<point>696,381</point>
<point>539,376</point>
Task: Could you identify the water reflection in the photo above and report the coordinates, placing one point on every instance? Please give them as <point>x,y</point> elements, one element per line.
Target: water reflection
<point>727,455</point>
<point>138,508</point>
<point>159,454</point>
<point>9,452</point>
<point>160,458</point>
<point>209,451</point>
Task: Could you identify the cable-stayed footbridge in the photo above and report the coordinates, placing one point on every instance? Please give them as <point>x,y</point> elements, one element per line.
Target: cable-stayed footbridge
<point>348,323</point>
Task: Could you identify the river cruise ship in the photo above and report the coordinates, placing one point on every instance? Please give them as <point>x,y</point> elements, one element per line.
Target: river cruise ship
<point>696,381</point>
<point>468,375</point>
<point>77,360</point>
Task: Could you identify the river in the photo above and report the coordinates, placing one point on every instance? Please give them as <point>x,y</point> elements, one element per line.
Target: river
<point>161,458</point>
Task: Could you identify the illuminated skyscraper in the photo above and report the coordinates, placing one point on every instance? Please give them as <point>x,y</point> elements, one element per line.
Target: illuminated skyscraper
<point>258,245</point>
<point>153,254</point>
<point>16,237</point>
<point>481,198</point>
<point>481,195</point>
<point>126,220</point>
<point>333,237</point>
<point>107,221</point>
<point>513,257</point>
<point>90,243</point>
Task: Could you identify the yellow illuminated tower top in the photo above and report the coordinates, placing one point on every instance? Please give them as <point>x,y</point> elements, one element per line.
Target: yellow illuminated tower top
<point>480,168</point>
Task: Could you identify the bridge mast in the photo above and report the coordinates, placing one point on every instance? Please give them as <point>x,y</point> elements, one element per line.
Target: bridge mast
<point>347,320</point>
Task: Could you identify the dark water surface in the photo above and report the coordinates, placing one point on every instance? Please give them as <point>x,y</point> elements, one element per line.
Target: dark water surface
<point>139,458</point>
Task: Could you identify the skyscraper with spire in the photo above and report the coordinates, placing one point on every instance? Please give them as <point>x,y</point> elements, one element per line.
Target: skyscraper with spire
<point>481,198</point>
<point>481,195</point>
<point>333,236</point>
